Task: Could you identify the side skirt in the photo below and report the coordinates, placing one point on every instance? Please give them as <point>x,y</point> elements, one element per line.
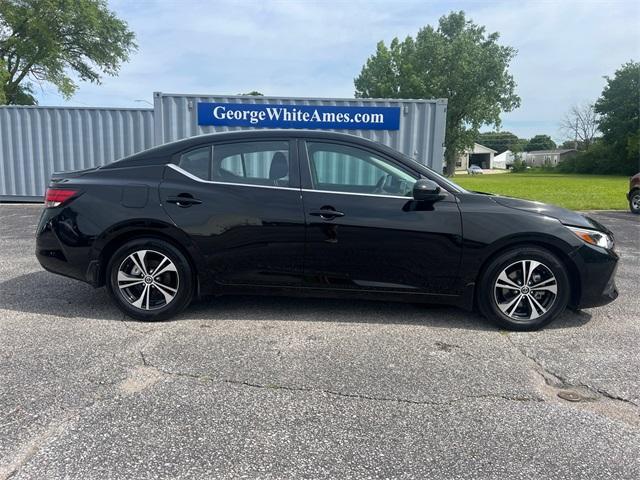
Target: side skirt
<point>464,300</point>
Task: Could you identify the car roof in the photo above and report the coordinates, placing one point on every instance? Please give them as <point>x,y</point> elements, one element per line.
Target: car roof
<point>170,149</point>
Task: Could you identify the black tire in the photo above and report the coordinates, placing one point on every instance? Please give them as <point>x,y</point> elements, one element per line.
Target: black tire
<point>177,282</point>
<point>552,269</point>
<point>634,201</point>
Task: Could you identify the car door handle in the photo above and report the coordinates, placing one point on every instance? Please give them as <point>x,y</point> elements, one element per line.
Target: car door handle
<point>326,214</point>
<point>184,200</point>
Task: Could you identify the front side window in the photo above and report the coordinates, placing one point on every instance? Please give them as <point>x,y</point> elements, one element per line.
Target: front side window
<point>254,163</point>
<point>342,168</point>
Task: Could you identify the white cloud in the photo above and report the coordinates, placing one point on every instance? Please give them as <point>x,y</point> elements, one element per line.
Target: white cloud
<point>316,48</point>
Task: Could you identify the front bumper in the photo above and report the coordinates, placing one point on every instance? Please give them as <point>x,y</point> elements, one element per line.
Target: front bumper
<point>596,268</point>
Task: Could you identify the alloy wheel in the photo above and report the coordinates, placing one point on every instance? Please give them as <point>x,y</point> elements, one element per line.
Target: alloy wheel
<point>148,279</point>
<point>635,201</point>
<point>525,290</point>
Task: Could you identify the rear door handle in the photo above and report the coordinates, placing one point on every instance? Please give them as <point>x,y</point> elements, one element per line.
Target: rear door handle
<point>326,214</point>
<point>184,200</point>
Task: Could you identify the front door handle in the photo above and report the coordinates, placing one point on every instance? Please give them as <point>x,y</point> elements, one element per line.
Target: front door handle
<point>326,213</point>
<point>184,200</point>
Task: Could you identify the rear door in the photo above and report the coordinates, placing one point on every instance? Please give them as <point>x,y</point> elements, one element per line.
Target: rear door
<point>241,203</point>
<point>365,231</point>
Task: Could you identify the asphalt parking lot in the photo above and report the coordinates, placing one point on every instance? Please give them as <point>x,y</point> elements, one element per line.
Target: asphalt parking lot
<point>246,387</point>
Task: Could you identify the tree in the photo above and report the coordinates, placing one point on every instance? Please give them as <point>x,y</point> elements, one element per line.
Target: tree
<point>540,142</point>
<point>580,124</point>
<point>50,40</point>
<point>619,109</point>
<point>252,93</point>
<point>500,141</point>
<point>457,60</point>
<point>3,76</point>
<point>578,145</point>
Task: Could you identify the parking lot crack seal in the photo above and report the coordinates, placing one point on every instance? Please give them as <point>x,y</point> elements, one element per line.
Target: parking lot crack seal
<point>559,383</point>
<point>610,396</point>
<point>28,451</point>
<point>381,399</point>
<point>359,396</point>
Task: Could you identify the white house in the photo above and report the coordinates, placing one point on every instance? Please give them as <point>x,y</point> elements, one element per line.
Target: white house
<point>504,160</point>
<point>479,155</point>
<point>540,158</point>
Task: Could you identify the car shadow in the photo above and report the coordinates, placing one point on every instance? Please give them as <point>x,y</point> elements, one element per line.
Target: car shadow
<point>44,293</point>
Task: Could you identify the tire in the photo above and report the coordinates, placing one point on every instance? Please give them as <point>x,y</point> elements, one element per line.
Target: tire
<point>526,307</point>
<point>144,296</point>
<point>634,201</point>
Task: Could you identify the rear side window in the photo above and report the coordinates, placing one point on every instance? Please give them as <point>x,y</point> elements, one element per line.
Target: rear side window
<point>197,162</point>
<point>253,163</point>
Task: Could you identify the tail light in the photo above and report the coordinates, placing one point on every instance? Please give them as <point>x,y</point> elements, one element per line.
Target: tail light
<point>57,196</point>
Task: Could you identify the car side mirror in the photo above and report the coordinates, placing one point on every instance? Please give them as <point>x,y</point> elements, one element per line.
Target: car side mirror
<point>427,190</point>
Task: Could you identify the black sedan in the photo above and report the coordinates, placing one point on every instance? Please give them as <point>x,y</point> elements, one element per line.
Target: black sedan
<point>315,213</point>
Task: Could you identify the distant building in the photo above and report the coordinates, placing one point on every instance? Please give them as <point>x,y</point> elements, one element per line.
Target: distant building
<point>504,160</point>
<point>540,158</point>
<point>479,155</point>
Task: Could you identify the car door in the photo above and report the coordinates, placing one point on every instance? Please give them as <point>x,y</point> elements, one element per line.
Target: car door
<point>365,231</point>
<point>241,204</point>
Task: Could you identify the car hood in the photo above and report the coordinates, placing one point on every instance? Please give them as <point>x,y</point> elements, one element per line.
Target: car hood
<point>564,215</point>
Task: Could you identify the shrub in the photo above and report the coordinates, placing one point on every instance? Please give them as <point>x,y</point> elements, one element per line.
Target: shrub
<point>599,159</point>
<point>518,166</point>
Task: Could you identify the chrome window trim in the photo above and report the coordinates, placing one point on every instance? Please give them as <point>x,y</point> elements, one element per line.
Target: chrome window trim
<point>310,190</point>
<point>198,179</point>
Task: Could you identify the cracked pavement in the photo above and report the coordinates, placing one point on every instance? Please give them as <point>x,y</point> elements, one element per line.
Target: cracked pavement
<point>256,387</point>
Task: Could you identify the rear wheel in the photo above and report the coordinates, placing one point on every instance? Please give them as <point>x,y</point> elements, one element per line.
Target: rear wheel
<point>634,201</point>
<point>524,289</point>
<point>150,279</point>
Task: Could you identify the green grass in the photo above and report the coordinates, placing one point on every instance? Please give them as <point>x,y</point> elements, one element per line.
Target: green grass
<point>577,192</point>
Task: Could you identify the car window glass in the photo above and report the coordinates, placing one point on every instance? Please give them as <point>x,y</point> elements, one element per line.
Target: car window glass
<point>233,165</point>
<point>196,162</point>
<point>255,163</point>
<point>348,169</point>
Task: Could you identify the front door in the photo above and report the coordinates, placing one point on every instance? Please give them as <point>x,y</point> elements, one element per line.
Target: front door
<point>365,231</point>
<point>241,204</point>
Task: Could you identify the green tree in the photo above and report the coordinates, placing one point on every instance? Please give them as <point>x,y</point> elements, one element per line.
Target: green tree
<point>500,141</point>
<point>3,75</point>
<point>619,109</point>
<point>457,60</point>
<point>578,145</point>
<point>540,142</point>
<point>50,40</point>
<point>253,93</point>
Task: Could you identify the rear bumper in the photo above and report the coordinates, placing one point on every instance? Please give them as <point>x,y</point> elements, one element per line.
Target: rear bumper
<point>597,270</point>
<point>59,249</point>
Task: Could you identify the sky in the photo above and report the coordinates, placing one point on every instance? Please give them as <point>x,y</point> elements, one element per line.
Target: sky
<point>316,49</point>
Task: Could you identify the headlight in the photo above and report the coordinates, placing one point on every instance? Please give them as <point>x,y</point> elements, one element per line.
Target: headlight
<point>593,237</point>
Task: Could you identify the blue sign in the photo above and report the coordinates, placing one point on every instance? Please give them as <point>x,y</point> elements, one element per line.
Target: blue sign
<point>298,116</point>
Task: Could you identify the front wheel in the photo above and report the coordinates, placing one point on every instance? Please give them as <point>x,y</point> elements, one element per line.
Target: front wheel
<point>634,201</point>
<point>150,279</point>
<point>525,288</point>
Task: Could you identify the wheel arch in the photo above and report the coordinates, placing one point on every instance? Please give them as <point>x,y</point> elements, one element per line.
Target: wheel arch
<point>635,190</point>
<point>540,242</point>
<point>117,236</point>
